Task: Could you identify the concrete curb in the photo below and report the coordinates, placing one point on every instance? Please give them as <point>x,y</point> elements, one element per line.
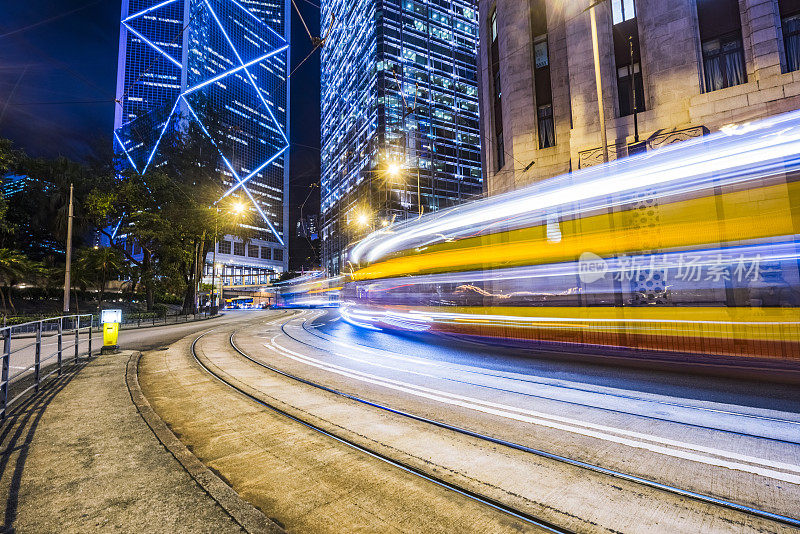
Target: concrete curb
<point>245,514</point>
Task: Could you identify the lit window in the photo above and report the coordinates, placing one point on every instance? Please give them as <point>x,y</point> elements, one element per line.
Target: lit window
<point>547,133</point>
<point>622,10</point>
<point>540,52</point>
<point>723,62</point>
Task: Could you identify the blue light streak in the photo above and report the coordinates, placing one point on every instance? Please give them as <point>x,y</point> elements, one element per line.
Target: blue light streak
<point>148,10</point>
<point>158,142</point>
<point>155,47</point>
<point>125,151</point>
<point>237,69</point>
<point>252,81</point>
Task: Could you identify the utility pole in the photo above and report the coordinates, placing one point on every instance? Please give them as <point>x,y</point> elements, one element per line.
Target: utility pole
<point>214,266</point>
<point>598,82</point>
<point>419,195</point>
<point>67,273</point>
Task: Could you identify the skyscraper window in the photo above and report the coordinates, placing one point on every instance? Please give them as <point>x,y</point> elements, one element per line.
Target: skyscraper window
<point>222,64</point>
<point>399,91</point>
<point>627,57</point>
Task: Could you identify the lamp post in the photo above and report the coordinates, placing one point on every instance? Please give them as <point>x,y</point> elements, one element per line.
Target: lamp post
<point>237,209</point>
<point>419,199</point>
<point>395,170</point>
<point>67,273</point>
<point>214,306</point>
<point>632,78</point>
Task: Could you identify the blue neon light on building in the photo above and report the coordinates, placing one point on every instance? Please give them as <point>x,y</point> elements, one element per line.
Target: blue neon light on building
<point>399,86</point>
<point>179,58</point>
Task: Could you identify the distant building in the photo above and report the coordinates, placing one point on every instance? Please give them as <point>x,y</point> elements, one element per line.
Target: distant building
<point>180,57</point>
<point>399,115</point>
<point>674,70</point>
<point>14,184</point>
<point>307,227</point>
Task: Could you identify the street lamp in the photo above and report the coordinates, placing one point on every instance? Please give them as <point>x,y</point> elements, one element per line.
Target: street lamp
<point>237,209</point>
<point>394,170</point>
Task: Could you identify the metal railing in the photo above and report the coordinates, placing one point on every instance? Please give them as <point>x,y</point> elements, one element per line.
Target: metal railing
<point>163,318</point>
<point>34,364</point>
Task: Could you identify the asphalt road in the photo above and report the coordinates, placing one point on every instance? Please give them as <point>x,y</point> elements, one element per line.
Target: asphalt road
<point>679,383</point>
<point>729,439</point>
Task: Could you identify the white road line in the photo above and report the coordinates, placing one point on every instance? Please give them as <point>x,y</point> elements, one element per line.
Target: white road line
<point>660,445</point>
<point>561,384</point>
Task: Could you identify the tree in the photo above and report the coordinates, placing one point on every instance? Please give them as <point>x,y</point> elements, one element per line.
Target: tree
<point>14,267</point>
<point>9,156</point>
<point>9,160</point>
<point>171,211</point>
<point>96,266</point>
<point>37,225</point>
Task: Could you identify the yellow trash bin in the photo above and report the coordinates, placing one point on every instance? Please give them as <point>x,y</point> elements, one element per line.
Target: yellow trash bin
<point>111,320</point>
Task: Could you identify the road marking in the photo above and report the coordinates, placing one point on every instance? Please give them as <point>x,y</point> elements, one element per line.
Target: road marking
<point>563,423</point>
<point>372,351</point>
<point>556,383</point>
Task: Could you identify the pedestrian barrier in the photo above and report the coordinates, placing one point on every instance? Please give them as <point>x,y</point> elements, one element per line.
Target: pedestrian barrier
<point>32,364</point>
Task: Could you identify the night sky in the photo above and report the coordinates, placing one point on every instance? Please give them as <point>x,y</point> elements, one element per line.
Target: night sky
<point>58,75</point>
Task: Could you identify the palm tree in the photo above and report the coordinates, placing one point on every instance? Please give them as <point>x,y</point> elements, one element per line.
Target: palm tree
<point>14,266</point>
<point>97,266</point>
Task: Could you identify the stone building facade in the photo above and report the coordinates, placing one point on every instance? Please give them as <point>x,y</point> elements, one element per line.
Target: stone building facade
<point>687,67</point>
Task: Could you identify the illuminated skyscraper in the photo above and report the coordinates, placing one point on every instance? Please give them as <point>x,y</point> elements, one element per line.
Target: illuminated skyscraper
<point>399,114</point>
<point>180,60</point>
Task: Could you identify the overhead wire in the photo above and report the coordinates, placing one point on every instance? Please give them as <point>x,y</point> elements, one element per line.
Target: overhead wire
<point>153,63</point>
<point>49,19</point>
<point>13,92</point>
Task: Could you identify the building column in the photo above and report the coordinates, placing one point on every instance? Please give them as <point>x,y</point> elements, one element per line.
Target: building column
<point>760,29</point>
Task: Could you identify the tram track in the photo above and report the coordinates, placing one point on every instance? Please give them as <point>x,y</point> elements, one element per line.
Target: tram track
<point>472,495</point>
<point>588,391</point>
<point>641,481</point>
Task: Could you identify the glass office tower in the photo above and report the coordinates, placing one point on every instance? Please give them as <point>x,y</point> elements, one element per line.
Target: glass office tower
<point>399,115</point>
<point>181,60</point>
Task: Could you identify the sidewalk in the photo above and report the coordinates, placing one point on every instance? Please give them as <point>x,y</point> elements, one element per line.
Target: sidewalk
<point>80,458</point>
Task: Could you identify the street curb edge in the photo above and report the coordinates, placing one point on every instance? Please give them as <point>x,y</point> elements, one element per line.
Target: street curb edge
<point>243,513</point>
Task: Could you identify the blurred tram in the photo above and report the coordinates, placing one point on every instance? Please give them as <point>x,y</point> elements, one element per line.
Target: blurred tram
<point>239,303</point>
<point>311,290</point>
<point>688,252</point>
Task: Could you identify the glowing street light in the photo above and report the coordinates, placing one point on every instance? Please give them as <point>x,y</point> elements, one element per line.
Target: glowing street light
<point>394,169</point>
<point>237,209</point>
